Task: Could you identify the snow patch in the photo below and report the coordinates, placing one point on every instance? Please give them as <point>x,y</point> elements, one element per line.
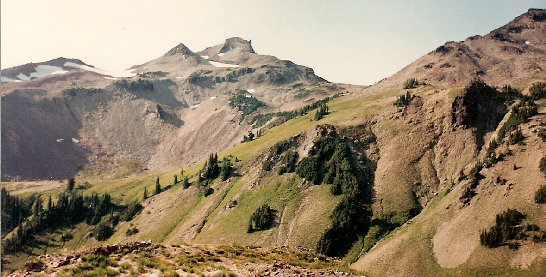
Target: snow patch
<point>194,106</point>
<point>75,140</point>
<point>248,95</point>
<point>251,90</point>
<point>205,57</point>
<point>527,42</point>
<point>220,54</point>
<point>212,97</point>
<point>60,139</point>
<point>7,80</point>
<point>110,78</point>
<point>217,64</point>
<point>178,77</point>
<point>23,77</point>
<point>118,74</point>
<point>45,70</point>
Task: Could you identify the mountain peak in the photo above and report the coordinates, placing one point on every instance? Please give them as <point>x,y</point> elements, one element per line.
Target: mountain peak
<point>237,44</point>
<point>180,49</point>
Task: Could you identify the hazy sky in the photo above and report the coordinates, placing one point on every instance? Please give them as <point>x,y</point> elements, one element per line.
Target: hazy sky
<point>357,42</point>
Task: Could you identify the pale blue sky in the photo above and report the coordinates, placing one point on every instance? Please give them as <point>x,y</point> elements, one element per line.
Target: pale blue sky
<point>357,42</point>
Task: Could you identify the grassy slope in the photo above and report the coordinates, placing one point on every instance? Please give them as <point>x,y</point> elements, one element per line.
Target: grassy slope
<point>412,245</point>
<point>287,196</point>
<point>283,193</point>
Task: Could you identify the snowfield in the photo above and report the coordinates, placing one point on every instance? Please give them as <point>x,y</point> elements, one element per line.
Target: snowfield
<point>41,70</point>
<point>7,80</point>
<point>220,54</point>
<point>217,64</point>
<point>119,74</point>
<point>205,57</point>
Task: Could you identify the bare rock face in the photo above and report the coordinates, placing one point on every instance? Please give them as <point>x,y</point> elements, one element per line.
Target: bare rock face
<point>237,44</point>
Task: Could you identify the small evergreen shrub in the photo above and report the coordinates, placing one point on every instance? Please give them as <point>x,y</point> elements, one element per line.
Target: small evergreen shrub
<point>261,219</point>
<point>288,162</point>
<point>244,104</point>
<point>411,83</point>
<point>542,134</point>
<point>185,183</point>
<point>540,195</point>
<point>516,137</point>
<point>506,228</point>
<point>132,209</point>
<point>403,100</point>
<point>321,112</point>
<point>131,231</point>
<point>103,231</point>
<point>309,169</point>
<point>537,91</point>
<point>130,85</point>
<point>266,166</point>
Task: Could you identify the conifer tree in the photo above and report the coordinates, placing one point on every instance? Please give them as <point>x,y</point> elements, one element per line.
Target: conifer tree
<point>175,181</point>
<point>49,204</point>
<point>185,183</point>
<point>157,186</point>
<point>71,184</point>
<point>145,193</point>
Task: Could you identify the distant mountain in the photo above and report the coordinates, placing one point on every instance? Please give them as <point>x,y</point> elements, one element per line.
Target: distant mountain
<point>170,111</point>
<point>513,53</point>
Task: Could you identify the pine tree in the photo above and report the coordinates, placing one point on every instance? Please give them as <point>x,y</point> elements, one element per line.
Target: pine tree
<point>145,193</point>
<point>185,183</point>
<point>225,170</point>
<point>71,184</point>
<point>175,181</point>
<point>49,205</point>
<point>157,186</point>
<point>181,172</point>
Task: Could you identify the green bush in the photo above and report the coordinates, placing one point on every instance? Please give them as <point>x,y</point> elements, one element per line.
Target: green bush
<point>288,162</point>
<point>132,209</point>
<point>309,169</point>
<point>103,231</point>
<point>542,134</point>
<point>131,231</point>
<point>130,85</point>
<point>403,100</point>
<point>185,183</point>
<point>516,137</point>
<point>266,165</point>
<point>321,112</point>
<point>245,104</point>
<point>278,148</point>
<point>506,228</point>
<point>537,91</point>
<point>96,260</point>
<point>261,219</point>
<point>411,83</point>
<point>542,165</point>
<point>540,195</point>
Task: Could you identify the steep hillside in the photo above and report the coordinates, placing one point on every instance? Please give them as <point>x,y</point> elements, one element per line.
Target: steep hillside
<point>439,179</point>
<point>171,112</point>
<point>513,54</point>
